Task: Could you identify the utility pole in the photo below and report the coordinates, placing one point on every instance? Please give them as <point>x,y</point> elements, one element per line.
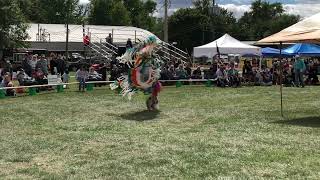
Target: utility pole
<point>84,34</point>
<point>213,13</point>
<point>67,25</point>
<point>165,26</point>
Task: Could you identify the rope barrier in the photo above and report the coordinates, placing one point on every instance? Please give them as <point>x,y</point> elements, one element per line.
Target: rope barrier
<point>102,82</point>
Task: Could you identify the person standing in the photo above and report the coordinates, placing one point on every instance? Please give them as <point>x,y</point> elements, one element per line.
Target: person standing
<point>103,71</point>
<point>82,76</point>
<point>53,65</point>
<point>33,62</point>
<point>129,44</point>
<point>26,66</point>
<point>60,65</point>
<point>299,68</point>
<point>109,39</point>
<point>43,64</point>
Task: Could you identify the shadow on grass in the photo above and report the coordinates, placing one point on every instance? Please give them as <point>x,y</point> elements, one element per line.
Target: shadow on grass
<point>313,122</point>
<point>141,115</point>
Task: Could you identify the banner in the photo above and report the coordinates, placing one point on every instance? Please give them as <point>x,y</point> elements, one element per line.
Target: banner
<point>54,80</point>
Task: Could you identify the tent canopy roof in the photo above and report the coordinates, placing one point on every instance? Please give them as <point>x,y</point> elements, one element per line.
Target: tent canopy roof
<point>271,52</point>
<point>307,30</point>
<point>226,45</point>
<point>58,32</point>
<point>303,49</point>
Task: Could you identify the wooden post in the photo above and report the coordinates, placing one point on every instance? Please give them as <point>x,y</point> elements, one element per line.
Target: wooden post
<point>281,74</point>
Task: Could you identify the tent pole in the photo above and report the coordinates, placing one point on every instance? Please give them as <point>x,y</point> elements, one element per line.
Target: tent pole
<point>281,74</point>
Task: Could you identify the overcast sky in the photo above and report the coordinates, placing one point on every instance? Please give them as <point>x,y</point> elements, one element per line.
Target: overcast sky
<point>303,8</point>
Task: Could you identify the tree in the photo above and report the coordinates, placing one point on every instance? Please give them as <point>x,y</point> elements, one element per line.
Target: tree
<point>12,25</point>
<point>141,12</point>
<point>119,15</point>
<point>53,11</point>
<point>191,27</point>
<point>264,19</point>
<point>100,12</point>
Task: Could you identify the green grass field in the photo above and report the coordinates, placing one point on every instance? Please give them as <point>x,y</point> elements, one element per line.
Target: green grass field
<point>198,133</point>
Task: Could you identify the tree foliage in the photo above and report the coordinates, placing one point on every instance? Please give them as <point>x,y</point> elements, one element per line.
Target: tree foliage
<point>195,26</point>
<point>264,19</point>
<point>201,24</point>
<point>189,26</point>
<point>12,25</point>
<point>137,13</point>
<point>53,11</point>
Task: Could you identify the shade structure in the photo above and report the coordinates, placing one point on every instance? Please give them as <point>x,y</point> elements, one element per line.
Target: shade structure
<point>307,30</point>
<point>272,52</point>
<point>225,45</point>
<point>303,49</point>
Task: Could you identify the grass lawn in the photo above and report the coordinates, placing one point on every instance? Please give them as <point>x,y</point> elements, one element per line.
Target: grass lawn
<point>198,133</point>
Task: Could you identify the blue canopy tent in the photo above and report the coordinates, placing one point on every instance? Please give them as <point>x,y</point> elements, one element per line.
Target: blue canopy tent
<point>272,52</point>
<point>303,49</point>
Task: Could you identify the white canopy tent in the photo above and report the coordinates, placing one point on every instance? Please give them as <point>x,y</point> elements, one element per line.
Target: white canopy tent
<point>307,30</point>
<point>226,45</point>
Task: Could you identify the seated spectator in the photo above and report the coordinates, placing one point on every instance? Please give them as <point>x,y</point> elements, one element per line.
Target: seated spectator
<point>181,73</point>
<point>212,71</point>
<point>40,78</point>
<point>92,72</point>
<point>267,78</point>
<point>6,82</point>
<point>233,76</point>
<point>164,74</point>
<point>114,74</point>
<point>312,78</point>
<point>247,72</point>
<point>21,76</point>
<point>38,74</point>
<point>288,77</point>
<point>94,76</point>
<point>258,78</point>
<point>197,73</point>
<point>222,78</point>
<point>172,72</point>
<point>188,70</point>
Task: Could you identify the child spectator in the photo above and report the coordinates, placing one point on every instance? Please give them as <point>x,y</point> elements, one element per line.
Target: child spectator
<point>65,77</point>
<point>81,76</point>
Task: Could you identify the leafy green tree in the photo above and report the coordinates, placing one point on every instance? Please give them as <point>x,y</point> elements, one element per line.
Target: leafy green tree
<point>120,15</point>
<point>141,12</point>
<point>100,12</point>
<point>12,25</point>
<point>53,11</point>
<point>191,27</point>
<point>264,19</point>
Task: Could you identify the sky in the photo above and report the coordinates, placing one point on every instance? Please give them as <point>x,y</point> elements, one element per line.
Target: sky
<point>304,8</point>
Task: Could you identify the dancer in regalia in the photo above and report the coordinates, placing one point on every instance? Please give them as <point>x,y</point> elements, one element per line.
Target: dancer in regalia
<point>144,72</point>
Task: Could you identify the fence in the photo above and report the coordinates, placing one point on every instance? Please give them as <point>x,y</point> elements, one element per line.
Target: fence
<point>61,87</point>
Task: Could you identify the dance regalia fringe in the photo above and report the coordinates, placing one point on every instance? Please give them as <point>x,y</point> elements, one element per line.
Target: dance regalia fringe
<point>144,72</point>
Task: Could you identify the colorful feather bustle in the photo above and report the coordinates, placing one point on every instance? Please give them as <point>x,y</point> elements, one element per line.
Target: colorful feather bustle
<point>144,71</point>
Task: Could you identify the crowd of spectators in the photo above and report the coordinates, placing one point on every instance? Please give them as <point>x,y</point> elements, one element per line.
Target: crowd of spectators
<point>297,72</point>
